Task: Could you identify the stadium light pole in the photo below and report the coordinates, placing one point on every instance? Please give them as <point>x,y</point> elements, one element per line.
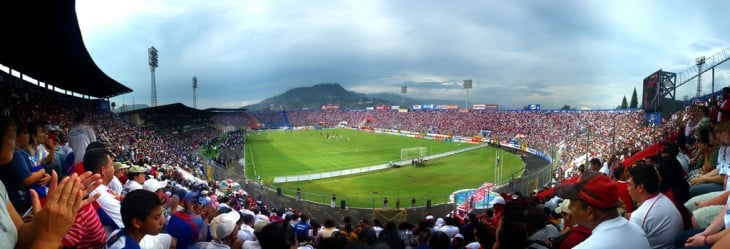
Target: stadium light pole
<point>699,61</point>
<point>403,91</point>
<point>467,85</point>
<point>152,55</point>
<point>195,86</point>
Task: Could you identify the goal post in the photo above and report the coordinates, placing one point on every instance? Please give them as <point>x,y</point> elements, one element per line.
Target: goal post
<point>412,153</point>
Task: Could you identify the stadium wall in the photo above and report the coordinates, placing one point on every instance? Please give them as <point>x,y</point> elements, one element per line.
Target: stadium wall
<point>538,173</point>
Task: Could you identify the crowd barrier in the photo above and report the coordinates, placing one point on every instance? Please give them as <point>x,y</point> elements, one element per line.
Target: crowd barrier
<point>525,181</point>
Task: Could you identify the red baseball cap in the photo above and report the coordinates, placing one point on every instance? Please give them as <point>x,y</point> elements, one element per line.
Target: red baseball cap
<point>594,188</point>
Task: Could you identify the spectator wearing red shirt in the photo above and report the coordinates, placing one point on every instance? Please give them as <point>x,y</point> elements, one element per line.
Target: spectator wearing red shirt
<point>87,231</point>
<point>724,110</point>
<point>621,175</point>
<point>498,204</point>
<point>573,233</point>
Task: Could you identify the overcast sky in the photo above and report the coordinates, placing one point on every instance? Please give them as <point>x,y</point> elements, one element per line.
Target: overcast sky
<point>580,53</point>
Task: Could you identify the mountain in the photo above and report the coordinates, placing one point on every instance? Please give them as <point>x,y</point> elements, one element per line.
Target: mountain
<point>315,97</point>
<point>398,99</point>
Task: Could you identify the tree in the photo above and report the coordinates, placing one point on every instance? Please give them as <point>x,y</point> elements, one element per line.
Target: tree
<point>565,107</point>
<point>634,100</point>
<point>624,104</point>
<point>114,104</point>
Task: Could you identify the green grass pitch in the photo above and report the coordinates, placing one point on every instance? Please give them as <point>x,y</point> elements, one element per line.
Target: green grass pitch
<point>285,153</point>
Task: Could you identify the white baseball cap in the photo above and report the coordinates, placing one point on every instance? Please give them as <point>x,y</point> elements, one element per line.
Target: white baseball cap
<point>497,200</point>
<point>224,224</point>
<point>563,207</point>
<point>153,185</point>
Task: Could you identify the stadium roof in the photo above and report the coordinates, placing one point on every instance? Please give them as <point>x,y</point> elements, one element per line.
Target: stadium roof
<point>226,110</point>
<point>42,39</point>
<point>174,109</point>
<point>179,108</point>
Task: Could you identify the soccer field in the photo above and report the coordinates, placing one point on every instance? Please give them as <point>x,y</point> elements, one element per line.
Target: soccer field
<point>282,153</point>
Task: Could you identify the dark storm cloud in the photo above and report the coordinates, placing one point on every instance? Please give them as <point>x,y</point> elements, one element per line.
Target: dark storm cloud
<point>516,52</point>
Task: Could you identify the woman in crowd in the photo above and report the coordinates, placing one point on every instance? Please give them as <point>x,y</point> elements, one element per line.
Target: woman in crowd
<point>39,156</point>
<point>51,222</point>
<point>17,175</point>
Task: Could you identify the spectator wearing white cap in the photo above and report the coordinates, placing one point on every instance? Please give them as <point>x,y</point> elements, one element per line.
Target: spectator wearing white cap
<point>449,227</point>
<point>429,218</point>
<point>497,205</point>
<point>573,234</point>
<point>158,187</point>
<point>223,229</point>
<point>154,186</point>
<point>161,240</point>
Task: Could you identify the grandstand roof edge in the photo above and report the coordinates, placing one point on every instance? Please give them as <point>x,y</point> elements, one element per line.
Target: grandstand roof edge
<point>226,110</point>
<point>176,108</point>
<point>65,62</point>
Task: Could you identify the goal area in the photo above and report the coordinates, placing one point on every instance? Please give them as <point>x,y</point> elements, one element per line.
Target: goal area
<point>412,153</point>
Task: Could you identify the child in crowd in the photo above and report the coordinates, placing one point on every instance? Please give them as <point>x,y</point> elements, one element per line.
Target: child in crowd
<point>141,214</point>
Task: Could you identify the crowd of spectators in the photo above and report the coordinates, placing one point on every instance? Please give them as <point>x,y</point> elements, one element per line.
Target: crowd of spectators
<point>577,134</point>
<point>270,119</point>
<point>131,186</point>
<point>235,120</point>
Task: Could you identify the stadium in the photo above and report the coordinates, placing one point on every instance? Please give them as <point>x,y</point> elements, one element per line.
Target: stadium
<point>428,168</point>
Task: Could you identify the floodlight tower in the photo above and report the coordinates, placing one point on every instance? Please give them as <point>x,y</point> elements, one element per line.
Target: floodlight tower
<point>403,90</point>
<point>195,86</point>
<point>699,61</point>
<point>152,54</point>
<point>467,86</point>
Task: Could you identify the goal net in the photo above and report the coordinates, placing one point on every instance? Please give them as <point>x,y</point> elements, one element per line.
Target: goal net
<point>412,153</point>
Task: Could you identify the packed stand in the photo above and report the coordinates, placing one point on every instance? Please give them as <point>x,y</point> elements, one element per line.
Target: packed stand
<point>235,120</point>
<point>270,119</point>
<point>674,199</point>
<point>606,133</point>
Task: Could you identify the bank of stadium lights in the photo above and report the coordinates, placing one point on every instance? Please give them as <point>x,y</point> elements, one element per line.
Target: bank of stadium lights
<point>403,91</point>
<point>467,85</point>
<point>195,86</point>
<point>152,55</point>
<point>699,61</point>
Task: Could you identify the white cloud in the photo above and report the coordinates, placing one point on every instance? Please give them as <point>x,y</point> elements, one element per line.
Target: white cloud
<point>517,53</point>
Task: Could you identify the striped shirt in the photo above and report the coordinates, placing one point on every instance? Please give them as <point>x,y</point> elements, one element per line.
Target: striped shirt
<point>86,232</point>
